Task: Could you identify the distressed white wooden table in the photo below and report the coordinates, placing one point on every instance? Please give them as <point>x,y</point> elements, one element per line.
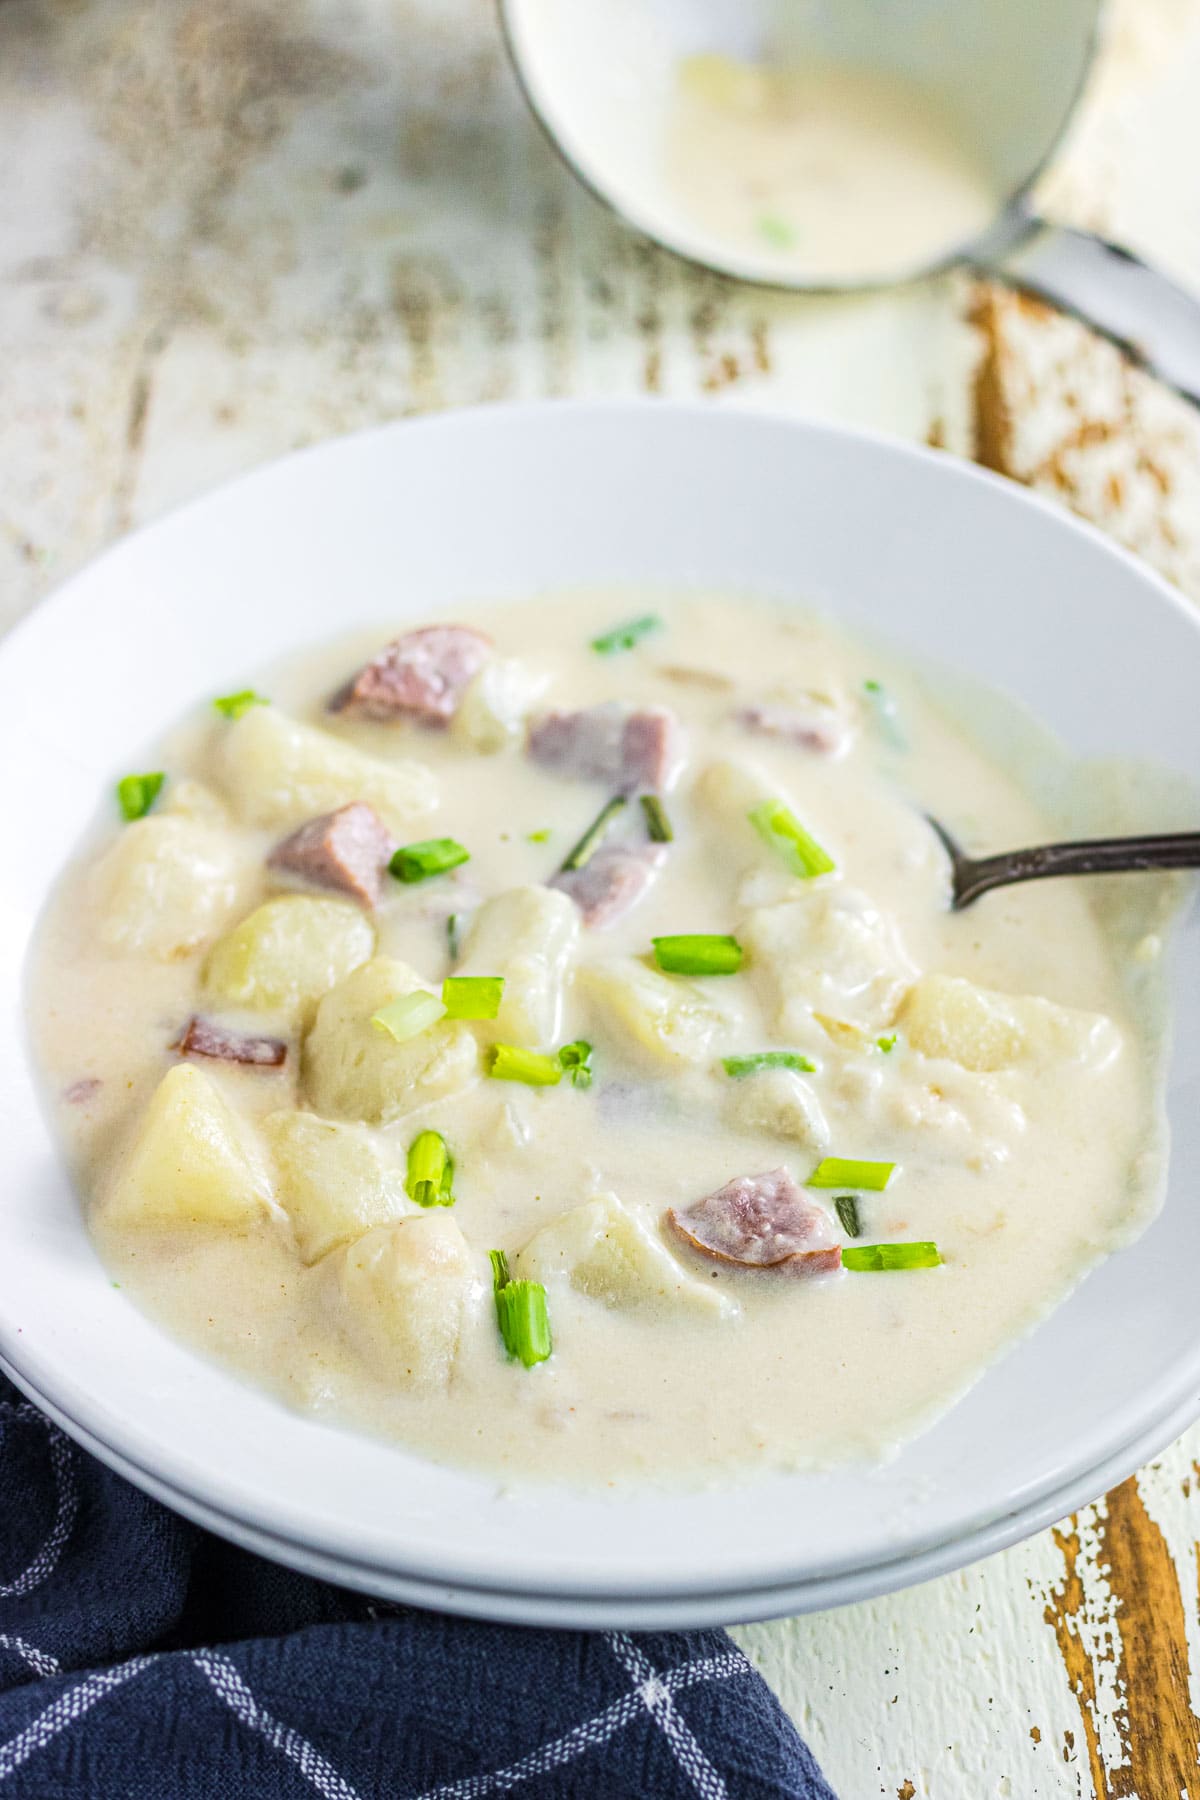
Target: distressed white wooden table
<point>229,227</point>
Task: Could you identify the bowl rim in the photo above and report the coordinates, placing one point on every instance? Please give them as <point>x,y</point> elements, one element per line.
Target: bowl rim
<point>59,1385</point>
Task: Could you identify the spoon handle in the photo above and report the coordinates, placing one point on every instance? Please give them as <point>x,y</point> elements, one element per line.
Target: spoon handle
<point>1097,856</point>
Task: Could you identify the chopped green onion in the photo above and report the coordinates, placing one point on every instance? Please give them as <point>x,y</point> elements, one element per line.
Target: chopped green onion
<point>576,1062</point>
<point>452,936</point>
<point>846,1208</point>
<point>539,837</point>
<point>136,794</point>
<point>891,1256</point>
<point>737,1066</point>
<point>886,717</point>
<point>433,856</point>
<point>842,1171</point>
<point>510,1063</point>
<point>520,1313</point>
<point>782,831</point>
<point>589,843</point>
<point>500,1272</point>
<point>472,996</point>
<point>409,1015</point>
<point>776,232</point>
<point>886,1043</point>
<point>232,706</point>
<point>657,822</point>
<point>430,1179</point>
<point>701,953</point>
<point>625,637</point>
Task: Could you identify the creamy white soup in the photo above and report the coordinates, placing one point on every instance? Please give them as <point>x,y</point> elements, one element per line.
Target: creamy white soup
<point>543,1038</point>
<point>827,172</point>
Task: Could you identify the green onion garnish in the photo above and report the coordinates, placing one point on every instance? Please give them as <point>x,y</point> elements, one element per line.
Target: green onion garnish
<point>775,231</point>
<point>430,1180</point>
<point>433,856</point>
<point>232,706</point>
<point>884,709</point>
<point>589,843</point>
<point>539,837</point>
<point>737,1066</point>
<point>625,637</point>
<point>886,1043</point>
<point>576,1063</point>
<point>409,1015</point>
<point>701,953</point>
<point>846,1208</point>
<point>472,996</point>
<point>657,822</point>
<point>136,794</point>
<point>452,937</point>
<point>842,1171</point>
<point>779,828</point>
<point>507,1062</point>
<point>891,1256</point>
<point>520,1313</point>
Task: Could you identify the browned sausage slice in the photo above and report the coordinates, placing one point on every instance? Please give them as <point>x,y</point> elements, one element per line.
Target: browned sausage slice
<point>420,675</point>
<point>347,850</point>
<point>761,1222</point>
<point>203,1038</point>
<point>812,724</point>
<point>622,747</point>
<point>612,882</point>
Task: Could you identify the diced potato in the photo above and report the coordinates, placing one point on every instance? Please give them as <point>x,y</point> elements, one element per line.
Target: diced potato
<point>528,935</point>
<point>193,1161</point>
<point>404,1293</point>
<point>729,789</point>
<point>164,886</point>
<point>188,799</point>
<point>665,1019</point>
<point>278,772</point>
<point>334,1181</point>
<point>287,953</point>
<point>779,1102</point>
<point>826,951</point>
<point>944,1015</point>
<point>492,712</point>
<point>356,1070</point>
<point>608,1254</point>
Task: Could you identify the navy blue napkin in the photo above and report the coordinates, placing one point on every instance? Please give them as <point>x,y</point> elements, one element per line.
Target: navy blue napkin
<point>143,1659</point>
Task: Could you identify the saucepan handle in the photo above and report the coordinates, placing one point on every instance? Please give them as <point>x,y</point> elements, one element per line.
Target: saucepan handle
<point>1153,319</point>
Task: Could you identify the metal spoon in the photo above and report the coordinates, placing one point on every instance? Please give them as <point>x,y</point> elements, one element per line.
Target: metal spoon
<point>972,876</point>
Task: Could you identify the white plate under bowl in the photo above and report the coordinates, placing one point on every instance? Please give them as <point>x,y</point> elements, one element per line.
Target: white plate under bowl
<point>646,1612</point>
<point>951,564</point>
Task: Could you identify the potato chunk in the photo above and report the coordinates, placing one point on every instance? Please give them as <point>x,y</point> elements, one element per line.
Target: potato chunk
<point>193,1161</point>
<point>826,950</point>
<point>944,1015</point>
<point>660,1017</point>
<point>288,952</point>
<point>356,1070</point>
<point>279,772</point>
<point>608,1254</point>
<point>404,1293</point>
<point>334,1181</point>
<point>528,935</point>
<point>492,713</point>
<point>780,1103</point>
<point>164,886</point>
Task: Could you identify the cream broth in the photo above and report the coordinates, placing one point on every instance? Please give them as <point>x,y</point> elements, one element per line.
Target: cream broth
<point>260,1211</point>
<point>829,172</point>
